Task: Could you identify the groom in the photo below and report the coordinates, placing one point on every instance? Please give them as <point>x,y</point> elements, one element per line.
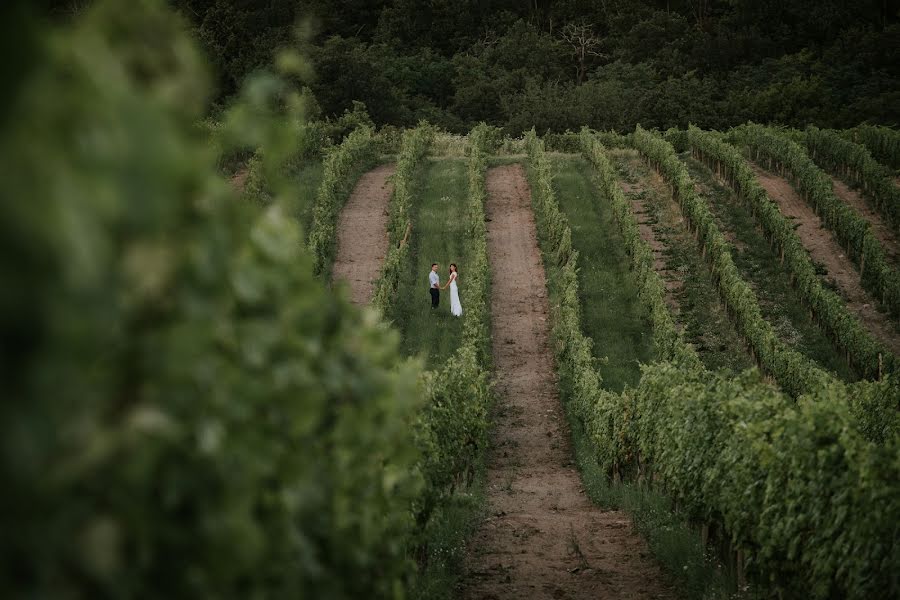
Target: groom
<point>435,286</point>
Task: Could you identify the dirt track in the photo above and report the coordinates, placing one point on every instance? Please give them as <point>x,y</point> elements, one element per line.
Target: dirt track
<point>543,537</point>
<point>825,250</point>
<point>362,241</point>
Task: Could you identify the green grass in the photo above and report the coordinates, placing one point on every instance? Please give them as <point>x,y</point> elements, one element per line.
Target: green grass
<point>451,526</point>
<point>438,235</point>
<point>612,315</point>
<point>701,312</point>
<point>759,265</point>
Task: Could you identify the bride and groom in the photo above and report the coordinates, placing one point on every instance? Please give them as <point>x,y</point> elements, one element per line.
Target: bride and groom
<point>435,288</point>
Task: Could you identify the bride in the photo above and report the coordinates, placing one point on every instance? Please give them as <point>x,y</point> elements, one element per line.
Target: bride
<point>455,306</point>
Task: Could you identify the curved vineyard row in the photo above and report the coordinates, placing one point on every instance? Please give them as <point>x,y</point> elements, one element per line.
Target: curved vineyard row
<point>853,161</point>
<point>851,230</point>
<point>795,373</point>
<point>882,142</point>
<point>864,352</point>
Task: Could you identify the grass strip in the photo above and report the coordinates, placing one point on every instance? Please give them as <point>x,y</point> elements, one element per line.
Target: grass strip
<point>607,288</point>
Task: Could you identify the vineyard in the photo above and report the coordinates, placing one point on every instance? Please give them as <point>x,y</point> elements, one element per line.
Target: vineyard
<point>677,373</point>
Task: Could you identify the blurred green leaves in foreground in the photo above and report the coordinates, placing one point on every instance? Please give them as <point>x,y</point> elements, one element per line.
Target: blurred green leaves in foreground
<point>187,411</point>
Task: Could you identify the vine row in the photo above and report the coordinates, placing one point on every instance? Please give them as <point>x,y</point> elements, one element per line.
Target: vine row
<point>795,373</point>
<point>851,230</point>
<point>882,142</point>
<point>866,354</point>
<point>413,147</point>
<point>342,165</point>
<point>854,162</point>
<point>719,444</point>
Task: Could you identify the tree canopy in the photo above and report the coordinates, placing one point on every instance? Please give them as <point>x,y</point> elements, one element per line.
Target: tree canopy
<point>566,63</point>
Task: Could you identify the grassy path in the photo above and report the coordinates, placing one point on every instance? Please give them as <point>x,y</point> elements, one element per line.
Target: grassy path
<point>439,236</point>
<point>698,309</point>
<point>611,313</point>
<point>779,301</point>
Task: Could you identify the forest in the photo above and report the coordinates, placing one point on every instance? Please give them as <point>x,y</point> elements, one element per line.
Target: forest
<point>561,64</point>
<point>558,65</point>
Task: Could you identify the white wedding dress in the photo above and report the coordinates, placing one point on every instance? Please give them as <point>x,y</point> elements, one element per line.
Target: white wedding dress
<point>455,306</point>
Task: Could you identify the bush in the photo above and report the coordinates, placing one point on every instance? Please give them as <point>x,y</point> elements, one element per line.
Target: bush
<point>190,413</point>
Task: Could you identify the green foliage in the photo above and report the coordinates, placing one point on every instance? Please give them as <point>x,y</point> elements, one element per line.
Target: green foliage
<point>343,165</point>
<point>797,486</point>
<point>668,338</point>
<point>567,141</point>
<point>852,231</point>
<point>854,162</point>
<point>509,63</point>
<point>414,145</point>
<point>190,412</point>
<point>450,144</point>
<point>868,355</point>
<point>882,142</point>
<point>795,373</point>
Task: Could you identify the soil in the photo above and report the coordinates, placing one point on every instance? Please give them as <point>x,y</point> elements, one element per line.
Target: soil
<point>239,179</point>
<point>543,537</point>
<point>825,250</point>
<point>880,228</point>
<point>362,240</point>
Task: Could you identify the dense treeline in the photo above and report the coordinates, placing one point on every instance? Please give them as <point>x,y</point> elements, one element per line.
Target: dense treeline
<point>560,65</point>
<point>564,64</point>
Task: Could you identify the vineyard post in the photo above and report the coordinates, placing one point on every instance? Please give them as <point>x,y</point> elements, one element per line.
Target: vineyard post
<point>406,235</point>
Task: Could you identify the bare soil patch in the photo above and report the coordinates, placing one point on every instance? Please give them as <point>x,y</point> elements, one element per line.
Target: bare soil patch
<point>362,240</point>
<point>882,230</point>
<point>543,538</point>
<point>825,250</point>
<point>239,179</point>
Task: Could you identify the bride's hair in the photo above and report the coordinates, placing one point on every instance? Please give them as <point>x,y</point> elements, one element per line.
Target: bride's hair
<point>453,266</point>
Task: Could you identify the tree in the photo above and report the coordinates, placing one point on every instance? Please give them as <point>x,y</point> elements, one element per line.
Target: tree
<point>584,43</point>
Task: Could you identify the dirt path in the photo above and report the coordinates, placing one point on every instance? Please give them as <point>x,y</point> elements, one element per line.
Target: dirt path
<point>646,220</point>
<point>543,538</point>
<point>882,230</point>
<point>362,241</point>
<point>824,250</point>
<point>239,179</point>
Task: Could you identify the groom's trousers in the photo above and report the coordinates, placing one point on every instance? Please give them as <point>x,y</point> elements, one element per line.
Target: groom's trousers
<point>435,297</point>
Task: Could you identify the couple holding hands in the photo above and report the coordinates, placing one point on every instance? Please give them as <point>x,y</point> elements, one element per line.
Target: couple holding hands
<point>435,288</point>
